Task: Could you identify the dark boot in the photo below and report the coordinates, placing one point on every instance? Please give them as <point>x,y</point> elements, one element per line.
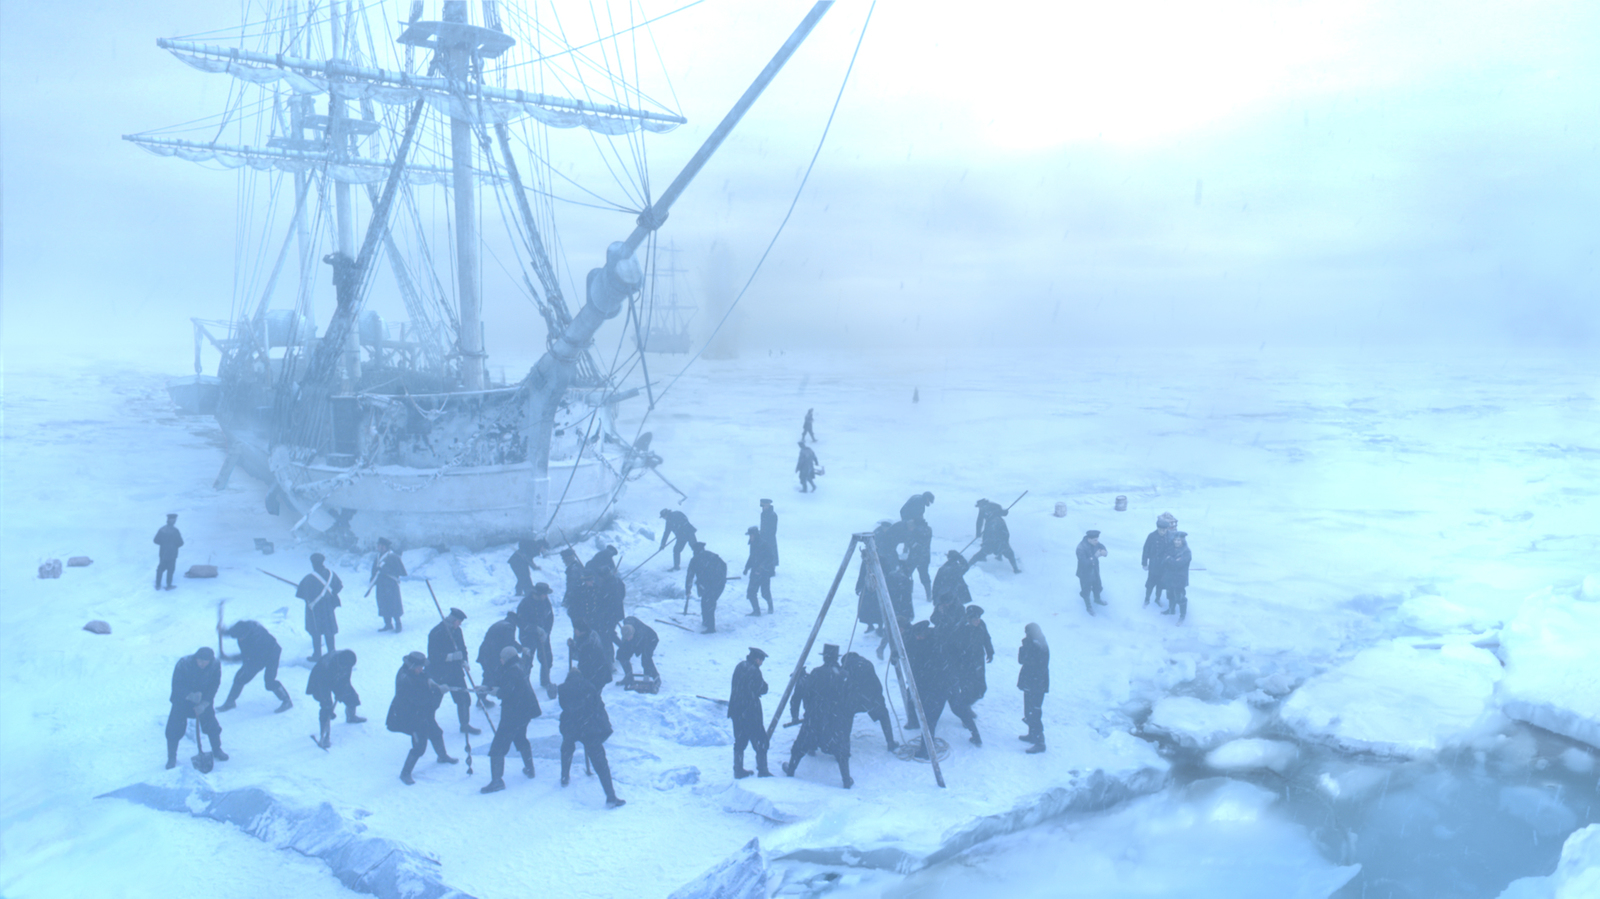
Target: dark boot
<point>411,764</point>
<point>1097,600</point>
<point>977,738</point>
<point>444,757</point>
<point>388,625</point>
<point>739,772</point>
<point>566,765</point>
<point>1037,747</point>
<point>527,764</point>
<point>1147,592</point>
<point>216,748</point>
<point>1087,606</point>
<point>602,768</point>
<point>844,772</point>
<point>464,713</point>
<point>888,734</point>
<point>761,762</point>
<point>350,716</point>
<point>284,702</point>
<point>326,739</point>
<point>497,773</point>
<point>397,624</point>
<point>172,754</point>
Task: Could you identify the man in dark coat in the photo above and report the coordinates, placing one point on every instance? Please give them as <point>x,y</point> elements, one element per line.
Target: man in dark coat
<point>638,639</point>
<point>806,467</point>
<point>195,680</point>
<point>915,508</point>
<point>969,649</point>
<point>1089,554</point>
<point>825,694</point>
<point>769,530</point>
<point>926,655</point>
<point>447,665</point>
<point>519,704</point>
<point>169,540</point>
<point>1156,547</point>
<point>996,535</point>
<point>580,589</point>
<point>387,570</point>
<point>535,620</point>
<point>950,580</point>
<point>584,720</point>
<point>758,565</point>
<point>501,634</point>
<point>866,694</point>
<point>329,684</point>
<point>806,431</point>
<point>1175,576</point>
<point>416,701</point>
<point>676,527</point>
<point>919,553</point>
<point>588,652</point>
<point>710,573</point>
<point>258,652</point>
<point>1034,681</point>
<point>523,565</point>
<point>603,562</point>
<point>609,608</point>
<point>320,591</point>
<point>744,709</point>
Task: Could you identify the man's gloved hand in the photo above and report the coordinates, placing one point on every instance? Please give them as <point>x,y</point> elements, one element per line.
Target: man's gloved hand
<point>200,708</point>
<point>194,697</point>
<point>455,656</point>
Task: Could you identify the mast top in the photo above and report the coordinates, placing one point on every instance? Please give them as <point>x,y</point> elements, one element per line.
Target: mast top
<point>454,36</point>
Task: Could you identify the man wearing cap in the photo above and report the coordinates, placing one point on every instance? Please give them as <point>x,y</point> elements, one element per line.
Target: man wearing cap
<point>603,562</point>
<point>950,581</point>
<point>535,619</point>
<point>638,639</point>
<point>758,565</point>
<point>1175,576</point>
<point>519,704</point>
<point>969,650</point>
<point>447,665</point>
<point>329,684</point>
<point>416,701</point>
<point>195,680</point>
<point>258,652</point>
<point>769,531</point>
<point>744,709</point>
<point>320,591</point>
<point>1156,547</point>
<point>523,566</point>
<point>825,694</point>
<point>1089,553</point>
<point>584,720</point>
<point>609,606</point>
<point>710,574</point>
<point>169,540</point>
<point>501,634</point>
<point>387,569</point>
<point>676,527</point>
<point>996,535</point>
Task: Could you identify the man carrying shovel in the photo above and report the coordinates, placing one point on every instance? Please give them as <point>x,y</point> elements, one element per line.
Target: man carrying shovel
<point>195,680</point>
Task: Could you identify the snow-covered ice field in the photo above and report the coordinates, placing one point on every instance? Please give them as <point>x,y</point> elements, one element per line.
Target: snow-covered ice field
<point>1367,527</point>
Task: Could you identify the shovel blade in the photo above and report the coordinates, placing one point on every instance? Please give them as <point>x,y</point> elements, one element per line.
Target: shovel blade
<point>203,762</point>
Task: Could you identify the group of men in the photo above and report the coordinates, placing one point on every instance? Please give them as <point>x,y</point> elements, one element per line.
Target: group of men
<point>708,573</point>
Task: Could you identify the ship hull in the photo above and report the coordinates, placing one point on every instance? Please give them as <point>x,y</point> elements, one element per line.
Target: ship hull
<point>463,506</point>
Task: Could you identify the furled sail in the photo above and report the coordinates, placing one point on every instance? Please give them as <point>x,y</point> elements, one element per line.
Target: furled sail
<point>478,103</point>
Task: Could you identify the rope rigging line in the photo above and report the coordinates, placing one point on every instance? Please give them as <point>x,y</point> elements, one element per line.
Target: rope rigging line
<point>786,216</point>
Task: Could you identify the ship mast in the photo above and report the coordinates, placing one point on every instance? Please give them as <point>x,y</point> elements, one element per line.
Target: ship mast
<point>457,56</point>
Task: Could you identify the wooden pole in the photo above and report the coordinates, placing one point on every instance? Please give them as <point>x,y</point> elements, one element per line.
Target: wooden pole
<point>805,653</point>
<point>900,650</point>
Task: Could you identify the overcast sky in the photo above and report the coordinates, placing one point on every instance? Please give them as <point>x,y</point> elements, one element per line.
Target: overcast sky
<point>1065,173</point>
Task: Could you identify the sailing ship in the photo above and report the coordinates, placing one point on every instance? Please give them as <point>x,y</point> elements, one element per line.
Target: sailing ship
<point>372,427</point>
<point>669,321</point>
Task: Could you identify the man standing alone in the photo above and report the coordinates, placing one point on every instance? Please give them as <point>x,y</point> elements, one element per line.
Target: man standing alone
<point>169,540</point>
